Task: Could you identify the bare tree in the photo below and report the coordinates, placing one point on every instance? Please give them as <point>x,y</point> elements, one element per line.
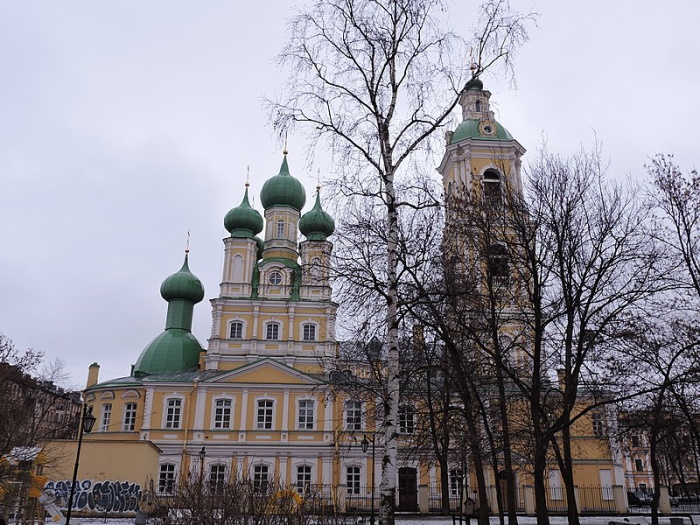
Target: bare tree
<point>375,79</point>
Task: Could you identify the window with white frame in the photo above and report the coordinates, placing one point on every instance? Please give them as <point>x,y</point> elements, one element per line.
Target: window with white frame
<point>173,412</point>
<point>303,479</point>
<point>407,419</point>
<point>308,332</point>
<point>352,479</point>
<point>166,478</point>
<point>106,416</point>
<point>217,478</point>
<point>306,414</point>
<point>272,331</point>
<point>222,413</point>
<point>492,187</point>
<point>456,481</point>
<point>275,278</point>
<point>236,330</point>
<point>260,478</point>
<point>265,411</point>
<point>129,417</point>
<point>353,415</point>
<point>280,228</point>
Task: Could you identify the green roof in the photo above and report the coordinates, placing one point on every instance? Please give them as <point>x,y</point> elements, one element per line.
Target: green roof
<point>283,190</point>
<point>316,224</point>
<point>182,285</point>
<point>174,350</point>
<point>243,220</point>
<point>469,129</point>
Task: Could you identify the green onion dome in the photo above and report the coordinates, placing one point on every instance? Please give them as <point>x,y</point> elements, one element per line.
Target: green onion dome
<point>261,246</point>
<point>174,350</point>
<point>182,285</point>
<point>474,84</point>
<point>243,220</point>
<point>316,224</point>
<point>283,190</point>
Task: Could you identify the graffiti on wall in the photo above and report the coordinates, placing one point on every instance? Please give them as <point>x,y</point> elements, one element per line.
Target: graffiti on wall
<point>99,496</point>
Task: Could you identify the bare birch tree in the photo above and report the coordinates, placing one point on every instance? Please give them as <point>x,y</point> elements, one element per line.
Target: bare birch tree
<point>374,79</point>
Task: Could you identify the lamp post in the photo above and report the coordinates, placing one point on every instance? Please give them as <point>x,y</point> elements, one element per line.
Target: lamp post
<point>87,423</point>
<point>202,455</point>
<point>365,445</point>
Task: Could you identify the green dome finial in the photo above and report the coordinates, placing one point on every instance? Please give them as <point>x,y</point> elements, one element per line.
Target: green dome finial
<point>183,284</point>
<point>283,190</point>
<point>244,220</point>
<point>316,224</point>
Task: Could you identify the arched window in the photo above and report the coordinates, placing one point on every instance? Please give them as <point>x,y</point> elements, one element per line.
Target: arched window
<point>236,330</point>
<point>498,266</point>
<point>477,105</point>
<point>272,331</point>
<point>237,269</point>
<point>492,187</point>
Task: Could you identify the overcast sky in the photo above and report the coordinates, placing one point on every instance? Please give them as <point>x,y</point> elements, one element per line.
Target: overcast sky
<point>124,124</point>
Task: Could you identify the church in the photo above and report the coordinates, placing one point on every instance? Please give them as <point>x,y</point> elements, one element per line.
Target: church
<point>258,401</point>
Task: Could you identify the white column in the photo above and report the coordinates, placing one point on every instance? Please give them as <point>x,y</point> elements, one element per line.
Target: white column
<point>244,415</point>
<point>199,409</point>
<point>285,411</point>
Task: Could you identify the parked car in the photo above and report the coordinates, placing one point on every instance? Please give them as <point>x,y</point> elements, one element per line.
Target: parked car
<point>688,498</point>
<point>637,499</point>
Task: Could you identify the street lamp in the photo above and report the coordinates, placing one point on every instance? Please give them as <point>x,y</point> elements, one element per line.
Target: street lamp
<point>86,425</point>
<point>202,455</point>
<point>365,445</point>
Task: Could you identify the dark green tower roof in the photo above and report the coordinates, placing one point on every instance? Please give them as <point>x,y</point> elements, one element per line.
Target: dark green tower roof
<point>283,190</point>
<point>244,220</point>
<point>316,224</point>
<point>182,285</point>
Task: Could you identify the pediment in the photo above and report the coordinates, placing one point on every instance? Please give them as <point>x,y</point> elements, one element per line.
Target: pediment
<point>266,372</point>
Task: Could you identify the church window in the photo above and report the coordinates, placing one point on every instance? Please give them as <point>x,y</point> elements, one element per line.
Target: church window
<point>477,105</point>
<point>352,480</point>
<point>306,414</point>
<point>456,481</point>
<point>272,331</point>
<point>106,416</point>
<point>498,267</point>
<point>129,417</point>
<point>173,412</point>
<point>237,269</point>
<point>222,414</point>
<point>264,416</point>
<point>260,478</point>
<point>353,415</point>
<point>407,419</point>
<point>316,271</point>
<point>217,478</point>
<point>166,478</point>
<point>635,441</point>
<point>275,278</point>
<point>492,187</point>
<point>598,425</point>
<point>280,228</point>
<point>236,331</point>
<point>639,465</point>
<point>309,332</point>
<point>303,479</point>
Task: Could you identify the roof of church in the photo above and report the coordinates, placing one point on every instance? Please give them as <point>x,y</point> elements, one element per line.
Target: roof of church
<point>183,284</point>
<point>316,224</point>
<point>244,220</point>
<point>470,129</point>
<point>283,190</point>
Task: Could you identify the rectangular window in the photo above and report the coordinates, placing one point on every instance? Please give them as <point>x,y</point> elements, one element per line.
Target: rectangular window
<point>272,331</point>
<point>217,478</point>
<point>260,473</point>
<point>352,480</point>
<point>129,417</point>
<point>172,413</point>
<point>306,414</point>
<point>222,414</point>
<point>639,465</point>
<point>635,441</point>
<point>406,419</point>
<point>106,416</point>
<point>236,330</point>
<point>353,415</point>
<point>303,479</point>
<point>166,478</point>
<point>456,482</point>
<point>280,229</point>
<point>598,425</point>
<point>309,332</point>
<point>264,421</point>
